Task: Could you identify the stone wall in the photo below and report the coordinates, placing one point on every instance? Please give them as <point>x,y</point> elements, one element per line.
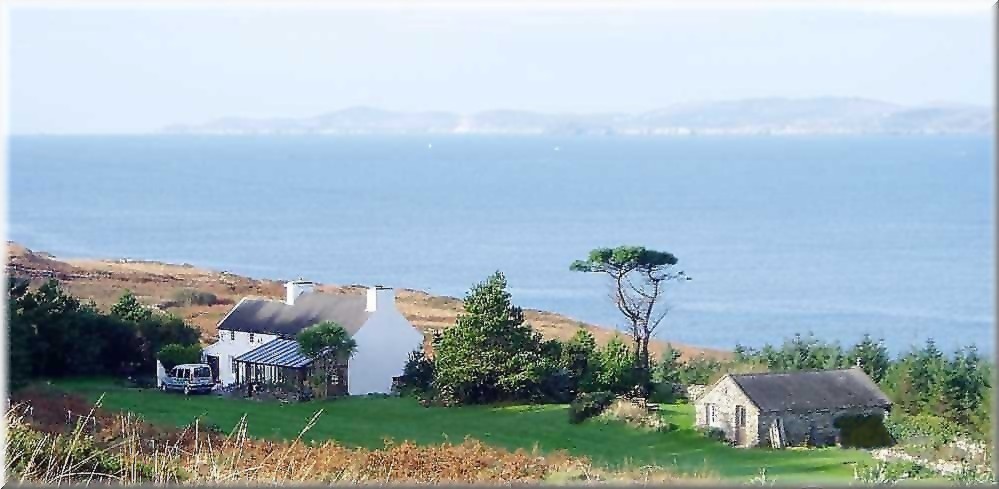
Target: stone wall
<point>814,428</point>
<point>726,395</point>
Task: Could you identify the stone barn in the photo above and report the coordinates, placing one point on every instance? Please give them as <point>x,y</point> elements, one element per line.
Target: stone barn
<point>788,408</point>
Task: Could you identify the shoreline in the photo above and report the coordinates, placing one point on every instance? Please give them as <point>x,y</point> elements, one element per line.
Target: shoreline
<point>104,279</point>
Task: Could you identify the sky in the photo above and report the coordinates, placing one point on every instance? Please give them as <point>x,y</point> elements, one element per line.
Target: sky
<point>131,70</point>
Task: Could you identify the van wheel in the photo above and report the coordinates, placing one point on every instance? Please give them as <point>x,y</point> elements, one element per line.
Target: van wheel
<point>187,390</point>
<point>163,387</point>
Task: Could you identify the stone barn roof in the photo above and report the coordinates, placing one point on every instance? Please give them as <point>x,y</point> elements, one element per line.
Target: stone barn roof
<point>811,390</point>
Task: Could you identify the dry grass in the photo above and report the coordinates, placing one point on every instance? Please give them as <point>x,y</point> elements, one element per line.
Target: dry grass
<point>156,283</point>
<point>99,446</point>
<point>123,451</point>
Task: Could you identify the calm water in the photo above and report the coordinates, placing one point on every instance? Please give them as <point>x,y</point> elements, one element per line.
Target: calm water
<point>838,236</point>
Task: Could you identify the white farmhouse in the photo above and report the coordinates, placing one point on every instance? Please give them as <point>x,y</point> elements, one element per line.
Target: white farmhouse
<point>257,337</point>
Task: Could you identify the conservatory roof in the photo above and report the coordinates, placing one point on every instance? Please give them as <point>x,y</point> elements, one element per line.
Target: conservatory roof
<point>278,353</point>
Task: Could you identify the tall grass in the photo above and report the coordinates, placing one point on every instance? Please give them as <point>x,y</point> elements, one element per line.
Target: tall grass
<point>103,447</point>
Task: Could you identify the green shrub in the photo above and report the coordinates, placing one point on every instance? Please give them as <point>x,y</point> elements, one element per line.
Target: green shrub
<point>929,428</point>
<point>862,431</point>
<point>417,376</point>
<point>173,354</point>
<point>663,393</point>
<point>588,405</point>
<point>194,297</point>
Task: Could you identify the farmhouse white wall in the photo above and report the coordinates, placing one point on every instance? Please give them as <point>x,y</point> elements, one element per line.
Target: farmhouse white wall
<point>383,346</point>
<point>160,373</point>
<point>384,343</point>
<point>232,344</point>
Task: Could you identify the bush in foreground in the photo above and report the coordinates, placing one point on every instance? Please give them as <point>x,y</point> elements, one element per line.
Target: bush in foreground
<point>588,405</point>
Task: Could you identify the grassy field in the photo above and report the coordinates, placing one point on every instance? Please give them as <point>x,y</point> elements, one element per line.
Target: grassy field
<point>367,422</point>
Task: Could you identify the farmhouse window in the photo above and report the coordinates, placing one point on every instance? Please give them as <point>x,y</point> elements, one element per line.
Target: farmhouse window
<point>251,337</point>
<point>712,413</point>
<point>232,335</point>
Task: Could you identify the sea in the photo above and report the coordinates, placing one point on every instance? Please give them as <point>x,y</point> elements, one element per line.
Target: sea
<point>892,236</point>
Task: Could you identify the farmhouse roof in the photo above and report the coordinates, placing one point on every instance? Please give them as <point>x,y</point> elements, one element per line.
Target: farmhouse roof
<point>279,353</point>
<point>254,315</point>
<point>811,390</point>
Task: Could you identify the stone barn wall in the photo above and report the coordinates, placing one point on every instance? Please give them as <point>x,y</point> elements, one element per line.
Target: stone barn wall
<point>813,428</point>
<point>726,395</point>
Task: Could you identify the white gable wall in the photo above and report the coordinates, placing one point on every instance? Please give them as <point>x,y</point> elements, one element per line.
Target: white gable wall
<point>383,346</point>
<point>232,344</point>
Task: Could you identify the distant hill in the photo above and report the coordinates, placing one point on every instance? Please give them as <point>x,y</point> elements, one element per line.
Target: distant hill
<point>827,115</point>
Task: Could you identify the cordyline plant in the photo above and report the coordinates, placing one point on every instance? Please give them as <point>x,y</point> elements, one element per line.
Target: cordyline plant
<point>638,278</point>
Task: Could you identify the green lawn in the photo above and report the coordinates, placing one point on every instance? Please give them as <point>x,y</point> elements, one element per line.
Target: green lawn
<point>366,422</point>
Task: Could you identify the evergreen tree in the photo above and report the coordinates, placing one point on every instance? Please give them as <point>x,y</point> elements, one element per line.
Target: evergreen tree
<point>872,356</point>
<point>965,386</point>
<point>130,309</point>
<point>669,367</point>
<point>490,354</point>
<point>577,356</point>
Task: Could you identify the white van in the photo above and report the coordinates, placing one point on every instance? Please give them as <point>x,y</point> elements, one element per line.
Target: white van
<point>189,377</point>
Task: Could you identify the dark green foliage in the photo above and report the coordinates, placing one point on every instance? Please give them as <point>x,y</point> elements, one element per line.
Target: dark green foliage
<point>490,354</point>
<point>925,382</point>
<point>921,381</point>
<point>159,330</point>
<point>804,353</point>
<point>666,376</point>
<point>578,357</point>
<point>615,368</point>
<point>56,335</point>
<point>916,381</point>
<point>664,393</point>
<point>173,354</point>
<point>417,376</point>
<point>20,336</point>
<point>872,356</point>
<point>330,345</point>
<point>862,431</point>
<point>965,385</point>
<point>326,339</point>
<point>667,370</point>
<point>589,404</point>
<point>130,309</point>
<point>194,297</point>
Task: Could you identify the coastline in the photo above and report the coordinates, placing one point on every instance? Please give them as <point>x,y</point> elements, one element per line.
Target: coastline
<point>104,279</point>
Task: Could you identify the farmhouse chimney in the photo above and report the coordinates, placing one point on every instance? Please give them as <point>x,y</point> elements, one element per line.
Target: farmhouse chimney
<point>296,288</point>
<point>380,298</point>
